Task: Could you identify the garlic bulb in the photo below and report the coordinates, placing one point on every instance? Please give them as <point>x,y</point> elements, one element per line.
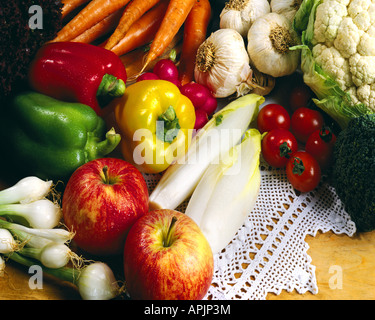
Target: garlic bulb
<point>288,8</point>
<point>269,40</point>
<point>222,64</point>
<point>240,14</point>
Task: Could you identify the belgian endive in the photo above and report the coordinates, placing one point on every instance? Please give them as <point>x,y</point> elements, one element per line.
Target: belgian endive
<point>227,192</point>
<point>212,142</point>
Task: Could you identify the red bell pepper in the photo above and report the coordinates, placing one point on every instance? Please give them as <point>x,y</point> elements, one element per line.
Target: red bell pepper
<point>78,72</point>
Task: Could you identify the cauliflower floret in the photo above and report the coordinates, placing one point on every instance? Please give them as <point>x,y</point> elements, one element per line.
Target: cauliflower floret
<point>358,11</point>
<point>344,2</point>
<point>362,69</point>
<point>371,30</point>
<point>357,6</point>
<point>366,95</point>
<point>328,18</point>
<point>352,91</point>
<point>371,12</point>
<point>348,37</point>
<point>330,59</point>
<point>342,44</point>
<point>366,46</point>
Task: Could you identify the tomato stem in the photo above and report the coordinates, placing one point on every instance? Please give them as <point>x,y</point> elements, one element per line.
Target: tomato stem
<point>298,166</point>
<point>326,134</point>
<point>285,151</point>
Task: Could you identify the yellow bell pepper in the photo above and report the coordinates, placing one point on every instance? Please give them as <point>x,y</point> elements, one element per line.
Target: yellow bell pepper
<point>156,124</point>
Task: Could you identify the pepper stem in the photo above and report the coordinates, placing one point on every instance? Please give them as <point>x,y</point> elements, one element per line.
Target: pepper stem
<point>102,148</point>
<point>111,86</point>
<point>167,125</point>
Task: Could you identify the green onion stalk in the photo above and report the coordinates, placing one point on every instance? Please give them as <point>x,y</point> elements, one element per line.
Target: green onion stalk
<point>95,281</point>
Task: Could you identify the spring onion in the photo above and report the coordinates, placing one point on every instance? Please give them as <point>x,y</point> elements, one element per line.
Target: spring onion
<point>42,214</point>
<point>7,242</point>
<point>2,267</point>
<point>95,281</point>
<point>57,234</point>
<point>227,192</point>
<point>30,240</point>
<point>53,255</point>
<point>214,140</point>
<point>26,190</point>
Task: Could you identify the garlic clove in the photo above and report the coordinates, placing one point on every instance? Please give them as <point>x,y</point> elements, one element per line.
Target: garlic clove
<point>223,64</point>
<point>288,8</point>
<point>264,83</point>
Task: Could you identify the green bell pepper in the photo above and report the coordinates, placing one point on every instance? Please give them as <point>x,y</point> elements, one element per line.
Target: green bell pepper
<point>42,136</point>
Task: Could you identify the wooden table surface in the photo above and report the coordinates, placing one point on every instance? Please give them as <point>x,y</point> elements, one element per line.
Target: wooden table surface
<point>345,270</point>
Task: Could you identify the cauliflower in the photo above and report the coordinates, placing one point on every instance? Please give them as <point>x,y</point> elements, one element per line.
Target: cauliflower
<point>338,55</point>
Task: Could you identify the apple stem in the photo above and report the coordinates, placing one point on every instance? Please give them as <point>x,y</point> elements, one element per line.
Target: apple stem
<point>168,237</point>
<point>105,172</point>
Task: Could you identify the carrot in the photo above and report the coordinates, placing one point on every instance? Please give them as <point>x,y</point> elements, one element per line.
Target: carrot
<point>143,30</point>
<point>133,61</point>
<point>175,16</point>
<point>132,13</point>
<point>195,30</point>
<point>90,15</point>
<point>103,27</point>
<point>70,5</point>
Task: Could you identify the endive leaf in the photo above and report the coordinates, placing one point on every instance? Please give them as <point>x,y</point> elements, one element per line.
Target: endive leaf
<point>227,192</point>
<point>212,142</point>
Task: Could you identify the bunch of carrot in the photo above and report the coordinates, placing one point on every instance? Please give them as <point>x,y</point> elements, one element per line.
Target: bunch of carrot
<point>135,23</point>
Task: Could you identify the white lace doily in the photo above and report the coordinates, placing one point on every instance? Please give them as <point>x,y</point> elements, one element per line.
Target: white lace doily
<point>269,253</point>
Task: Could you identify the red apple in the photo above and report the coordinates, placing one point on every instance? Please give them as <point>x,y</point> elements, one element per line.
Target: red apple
<point>167,257</point>
<point>102,200</point>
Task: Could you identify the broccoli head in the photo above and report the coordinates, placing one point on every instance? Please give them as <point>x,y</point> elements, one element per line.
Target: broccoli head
<point>353,172</point>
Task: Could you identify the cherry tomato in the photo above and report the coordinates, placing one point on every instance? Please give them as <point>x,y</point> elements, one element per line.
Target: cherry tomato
<point>300,97</point>
<point>303,171</point>
<point>320,146</point>
<point>277,146</point>
<point>304,122</point>
<point>273,116</point>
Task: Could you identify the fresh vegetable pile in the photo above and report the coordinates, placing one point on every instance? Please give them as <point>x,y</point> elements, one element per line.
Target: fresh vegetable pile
<point>84,121</point>
<point>127,25</point>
